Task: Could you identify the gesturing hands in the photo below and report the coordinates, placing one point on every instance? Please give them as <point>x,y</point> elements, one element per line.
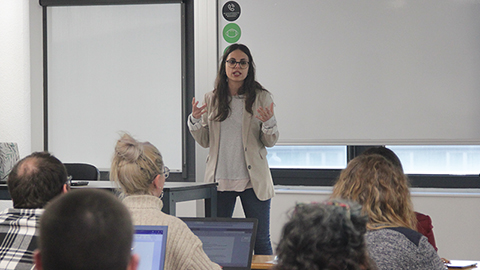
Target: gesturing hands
<point>197,112</point>
<point>264,114</point>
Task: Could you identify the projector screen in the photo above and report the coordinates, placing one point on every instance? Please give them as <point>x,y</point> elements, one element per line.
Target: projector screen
<point>113,69</point>
<point>348,72</point>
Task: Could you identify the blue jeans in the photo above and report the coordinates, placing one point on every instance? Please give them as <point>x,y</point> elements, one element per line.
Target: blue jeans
<point>253,208</point>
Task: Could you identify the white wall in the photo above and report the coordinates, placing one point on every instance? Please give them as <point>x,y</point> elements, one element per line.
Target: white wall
<point>15,74</point>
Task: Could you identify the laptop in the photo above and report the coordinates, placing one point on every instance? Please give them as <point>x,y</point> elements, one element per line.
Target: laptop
<point>228,242</point>
<point>150,243</point>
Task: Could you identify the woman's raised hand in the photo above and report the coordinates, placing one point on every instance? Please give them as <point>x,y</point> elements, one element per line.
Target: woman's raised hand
<point>197,112</point>
<point>264,114</point>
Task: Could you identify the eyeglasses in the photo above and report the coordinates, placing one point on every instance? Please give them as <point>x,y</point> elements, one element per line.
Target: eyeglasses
<point>166,172</point>
<point>232,63</point>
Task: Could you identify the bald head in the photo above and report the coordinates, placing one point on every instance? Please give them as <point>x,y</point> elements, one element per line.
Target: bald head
<point>36,179</point>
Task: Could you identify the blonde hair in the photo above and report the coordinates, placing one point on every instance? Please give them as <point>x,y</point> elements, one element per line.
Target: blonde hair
<point>135,164</point>
<point>381,188</point>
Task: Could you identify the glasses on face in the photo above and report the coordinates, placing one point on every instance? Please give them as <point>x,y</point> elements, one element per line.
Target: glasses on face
<point>166,172</point>
<point>232,63</point>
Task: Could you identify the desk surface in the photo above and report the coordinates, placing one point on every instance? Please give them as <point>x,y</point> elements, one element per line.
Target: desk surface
<point>173,192</point>
<point>262,262</point>
<point>265,262</point>
<point>168,185</point>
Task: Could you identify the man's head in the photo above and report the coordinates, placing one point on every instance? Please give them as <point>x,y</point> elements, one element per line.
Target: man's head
<point>36,179</point>
<point>86,229</point>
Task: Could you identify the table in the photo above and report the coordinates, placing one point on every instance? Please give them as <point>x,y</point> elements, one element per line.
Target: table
<point>173,192</point>
<point>265,262</point>
<point>262,262</point>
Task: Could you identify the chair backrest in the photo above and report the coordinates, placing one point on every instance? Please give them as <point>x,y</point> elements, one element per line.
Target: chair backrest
<point>8,158</point>
<point>82,171</point>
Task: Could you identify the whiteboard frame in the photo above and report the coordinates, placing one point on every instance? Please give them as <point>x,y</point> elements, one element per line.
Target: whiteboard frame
<point>187,35</point>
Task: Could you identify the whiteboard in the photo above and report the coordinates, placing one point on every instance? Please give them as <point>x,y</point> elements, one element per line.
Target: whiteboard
<point>366,72</point>
<point>114,68</point>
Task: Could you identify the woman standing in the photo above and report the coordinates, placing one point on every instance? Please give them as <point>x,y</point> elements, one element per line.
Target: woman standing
<point>237,122</point>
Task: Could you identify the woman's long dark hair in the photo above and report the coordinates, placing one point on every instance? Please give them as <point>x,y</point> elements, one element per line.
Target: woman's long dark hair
<point>222,94</point>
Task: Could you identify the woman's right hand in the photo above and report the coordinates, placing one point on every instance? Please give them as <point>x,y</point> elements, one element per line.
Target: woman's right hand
<point>197,112</point>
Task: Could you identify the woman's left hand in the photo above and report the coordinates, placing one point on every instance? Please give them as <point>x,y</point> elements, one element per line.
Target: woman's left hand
<point>264,114</point>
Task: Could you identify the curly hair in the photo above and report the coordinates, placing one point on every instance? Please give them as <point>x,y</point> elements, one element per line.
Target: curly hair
<point>329,236</point>
<point>381,188</point>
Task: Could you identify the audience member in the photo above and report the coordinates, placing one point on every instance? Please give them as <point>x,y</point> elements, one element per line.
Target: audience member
<point>424,222</point>
<point>32,183</point>
<point>383,191</point>
<point>139,170</point>
<point>324,236</point>
<point>84,230</point>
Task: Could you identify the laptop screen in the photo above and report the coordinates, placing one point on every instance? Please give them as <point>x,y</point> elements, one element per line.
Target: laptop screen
<point>228,242</point>
<point>150,243</point>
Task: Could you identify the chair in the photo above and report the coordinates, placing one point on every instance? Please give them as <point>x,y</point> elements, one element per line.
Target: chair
<point>8,158</point>
<point>82,171</point>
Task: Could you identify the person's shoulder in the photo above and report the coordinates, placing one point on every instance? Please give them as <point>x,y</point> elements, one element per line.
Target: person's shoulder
<point>424,223</point>
<point>19,212</point>
<point>412,235</point>
<point>176,223</point>
<point>422,217</point>
<point>209,94</point>
<point>262,91</point>
<point>263,95</point>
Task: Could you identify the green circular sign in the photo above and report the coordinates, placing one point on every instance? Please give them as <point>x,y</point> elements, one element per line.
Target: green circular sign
<point>231,33</point>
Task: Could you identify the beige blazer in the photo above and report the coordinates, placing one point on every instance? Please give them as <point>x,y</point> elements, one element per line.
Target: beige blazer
<point>254,143</point>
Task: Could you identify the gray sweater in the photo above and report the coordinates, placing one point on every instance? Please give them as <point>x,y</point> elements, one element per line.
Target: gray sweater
<point>402,248</point>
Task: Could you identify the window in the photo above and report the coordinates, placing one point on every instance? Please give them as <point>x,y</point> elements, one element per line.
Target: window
<point>439,159</point>
<point>440,166</point>
<point>307,157</point>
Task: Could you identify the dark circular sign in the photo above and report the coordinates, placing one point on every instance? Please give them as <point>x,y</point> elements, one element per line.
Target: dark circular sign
<point>231,11</point>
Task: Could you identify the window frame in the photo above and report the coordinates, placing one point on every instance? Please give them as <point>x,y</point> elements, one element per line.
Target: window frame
<point>328,177</point>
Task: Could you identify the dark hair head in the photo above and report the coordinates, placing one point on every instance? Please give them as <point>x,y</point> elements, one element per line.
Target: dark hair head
<point>386,153</point>
<point>85,229</point>
<point>329,235</point>
<point>249,88</point>
<point>36,179</point>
